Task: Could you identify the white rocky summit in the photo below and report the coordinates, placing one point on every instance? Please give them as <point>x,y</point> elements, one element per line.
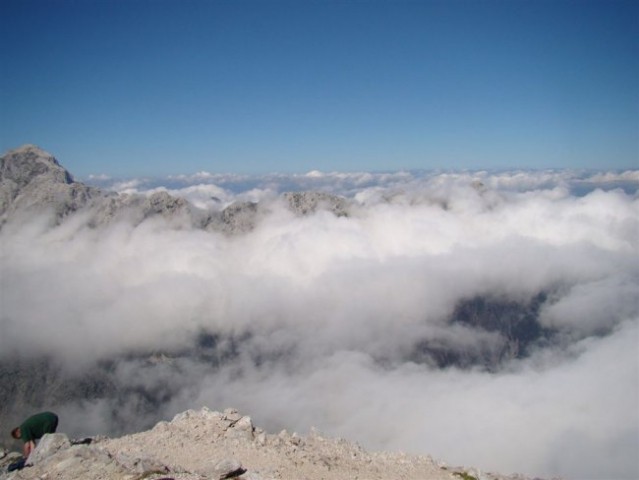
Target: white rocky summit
<point>211,445</point>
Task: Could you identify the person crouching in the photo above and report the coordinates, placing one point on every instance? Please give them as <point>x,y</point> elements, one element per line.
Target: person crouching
<point>34,428</point>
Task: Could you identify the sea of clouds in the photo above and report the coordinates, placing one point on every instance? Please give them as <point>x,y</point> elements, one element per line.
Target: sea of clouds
<point>321,314</point>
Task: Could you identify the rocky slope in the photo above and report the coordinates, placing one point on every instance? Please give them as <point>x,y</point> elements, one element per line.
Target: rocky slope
<point>203,445</point>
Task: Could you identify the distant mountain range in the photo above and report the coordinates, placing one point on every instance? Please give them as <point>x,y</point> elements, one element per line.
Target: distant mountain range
<point>32,182</point>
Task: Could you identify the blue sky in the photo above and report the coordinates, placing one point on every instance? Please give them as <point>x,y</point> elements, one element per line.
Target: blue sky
<point>161,87</point>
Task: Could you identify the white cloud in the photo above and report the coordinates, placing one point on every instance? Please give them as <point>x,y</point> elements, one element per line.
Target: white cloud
<point>333,308</point>
<point>576,418</point>
<point>613,177</point>
<point>127,186</point>
<point>101,177</point>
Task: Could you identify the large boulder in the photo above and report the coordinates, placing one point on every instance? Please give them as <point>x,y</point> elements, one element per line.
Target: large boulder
<point>49,445</point>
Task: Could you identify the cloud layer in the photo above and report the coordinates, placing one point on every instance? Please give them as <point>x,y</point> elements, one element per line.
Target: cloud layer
<point>314,320</point>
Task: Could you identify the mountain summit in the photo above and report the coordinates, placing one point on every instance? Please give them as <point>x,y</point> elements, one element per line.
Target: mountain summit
<point>30,162</point>
<point>32,180</point>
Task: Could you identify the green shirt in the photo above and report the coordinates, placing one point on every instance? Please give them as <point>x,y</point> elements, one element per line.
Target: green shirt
<point>36,426</point>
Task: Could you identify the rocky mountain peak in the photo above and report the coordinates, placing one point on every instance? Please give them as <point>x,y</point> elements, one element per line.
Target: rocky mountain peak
<point>32,181</point>
<point>28,163</point>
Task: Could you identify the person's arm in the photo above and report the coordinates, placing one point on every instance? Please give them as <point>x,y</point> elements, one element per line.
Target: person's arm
<point>28,448</point>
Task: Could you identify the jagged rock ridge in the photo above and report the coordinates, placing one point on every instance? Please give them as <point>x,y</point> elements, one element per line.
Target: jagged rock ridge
<point>33,182</point>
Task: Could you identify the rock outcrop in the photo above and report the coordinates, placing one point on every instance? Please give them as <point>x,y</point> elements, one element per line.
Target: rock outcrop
<point>209,445</point>
<point>303,203</point>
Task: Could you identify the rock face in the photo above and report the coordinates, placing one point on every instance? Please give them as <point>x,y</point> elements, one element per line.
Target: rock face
<point>303,203</point>
<point>209,445</point>
<point>32,180</point>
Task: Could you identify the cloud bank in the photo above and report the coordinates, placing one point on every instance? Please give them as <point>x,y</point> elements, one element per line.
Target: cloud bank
<point>323,320</point>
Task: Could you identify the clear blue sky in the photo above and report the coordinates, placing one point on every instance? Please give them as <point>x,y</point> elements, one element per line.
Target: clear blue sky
<point>158,87</point>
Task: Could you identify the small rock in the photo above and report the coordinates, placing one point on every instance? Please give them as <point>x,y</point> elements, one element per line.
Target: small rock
<point>141,464</point>
<point>227,468</point>
<point>260,439</point>
<point>232,415</point>
<point>244,423</point>
<point>83,441</point>
<point>240,429</point>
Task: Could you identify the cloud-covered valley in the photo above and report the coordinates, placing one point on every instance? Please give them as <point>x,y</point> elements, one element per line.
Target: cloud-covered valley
<point>488,319</point>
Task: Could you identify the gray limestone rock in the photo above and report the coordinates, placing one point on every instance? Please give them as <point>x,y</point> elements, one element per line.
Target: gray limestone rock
<point>227,468</point>
<point>303,203</point>
<point>33,182</point>
<point>47,446</point>
<point>142,465</point>
<point>239,217</point>
<point>161,203</point>
<point>241,428</point>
